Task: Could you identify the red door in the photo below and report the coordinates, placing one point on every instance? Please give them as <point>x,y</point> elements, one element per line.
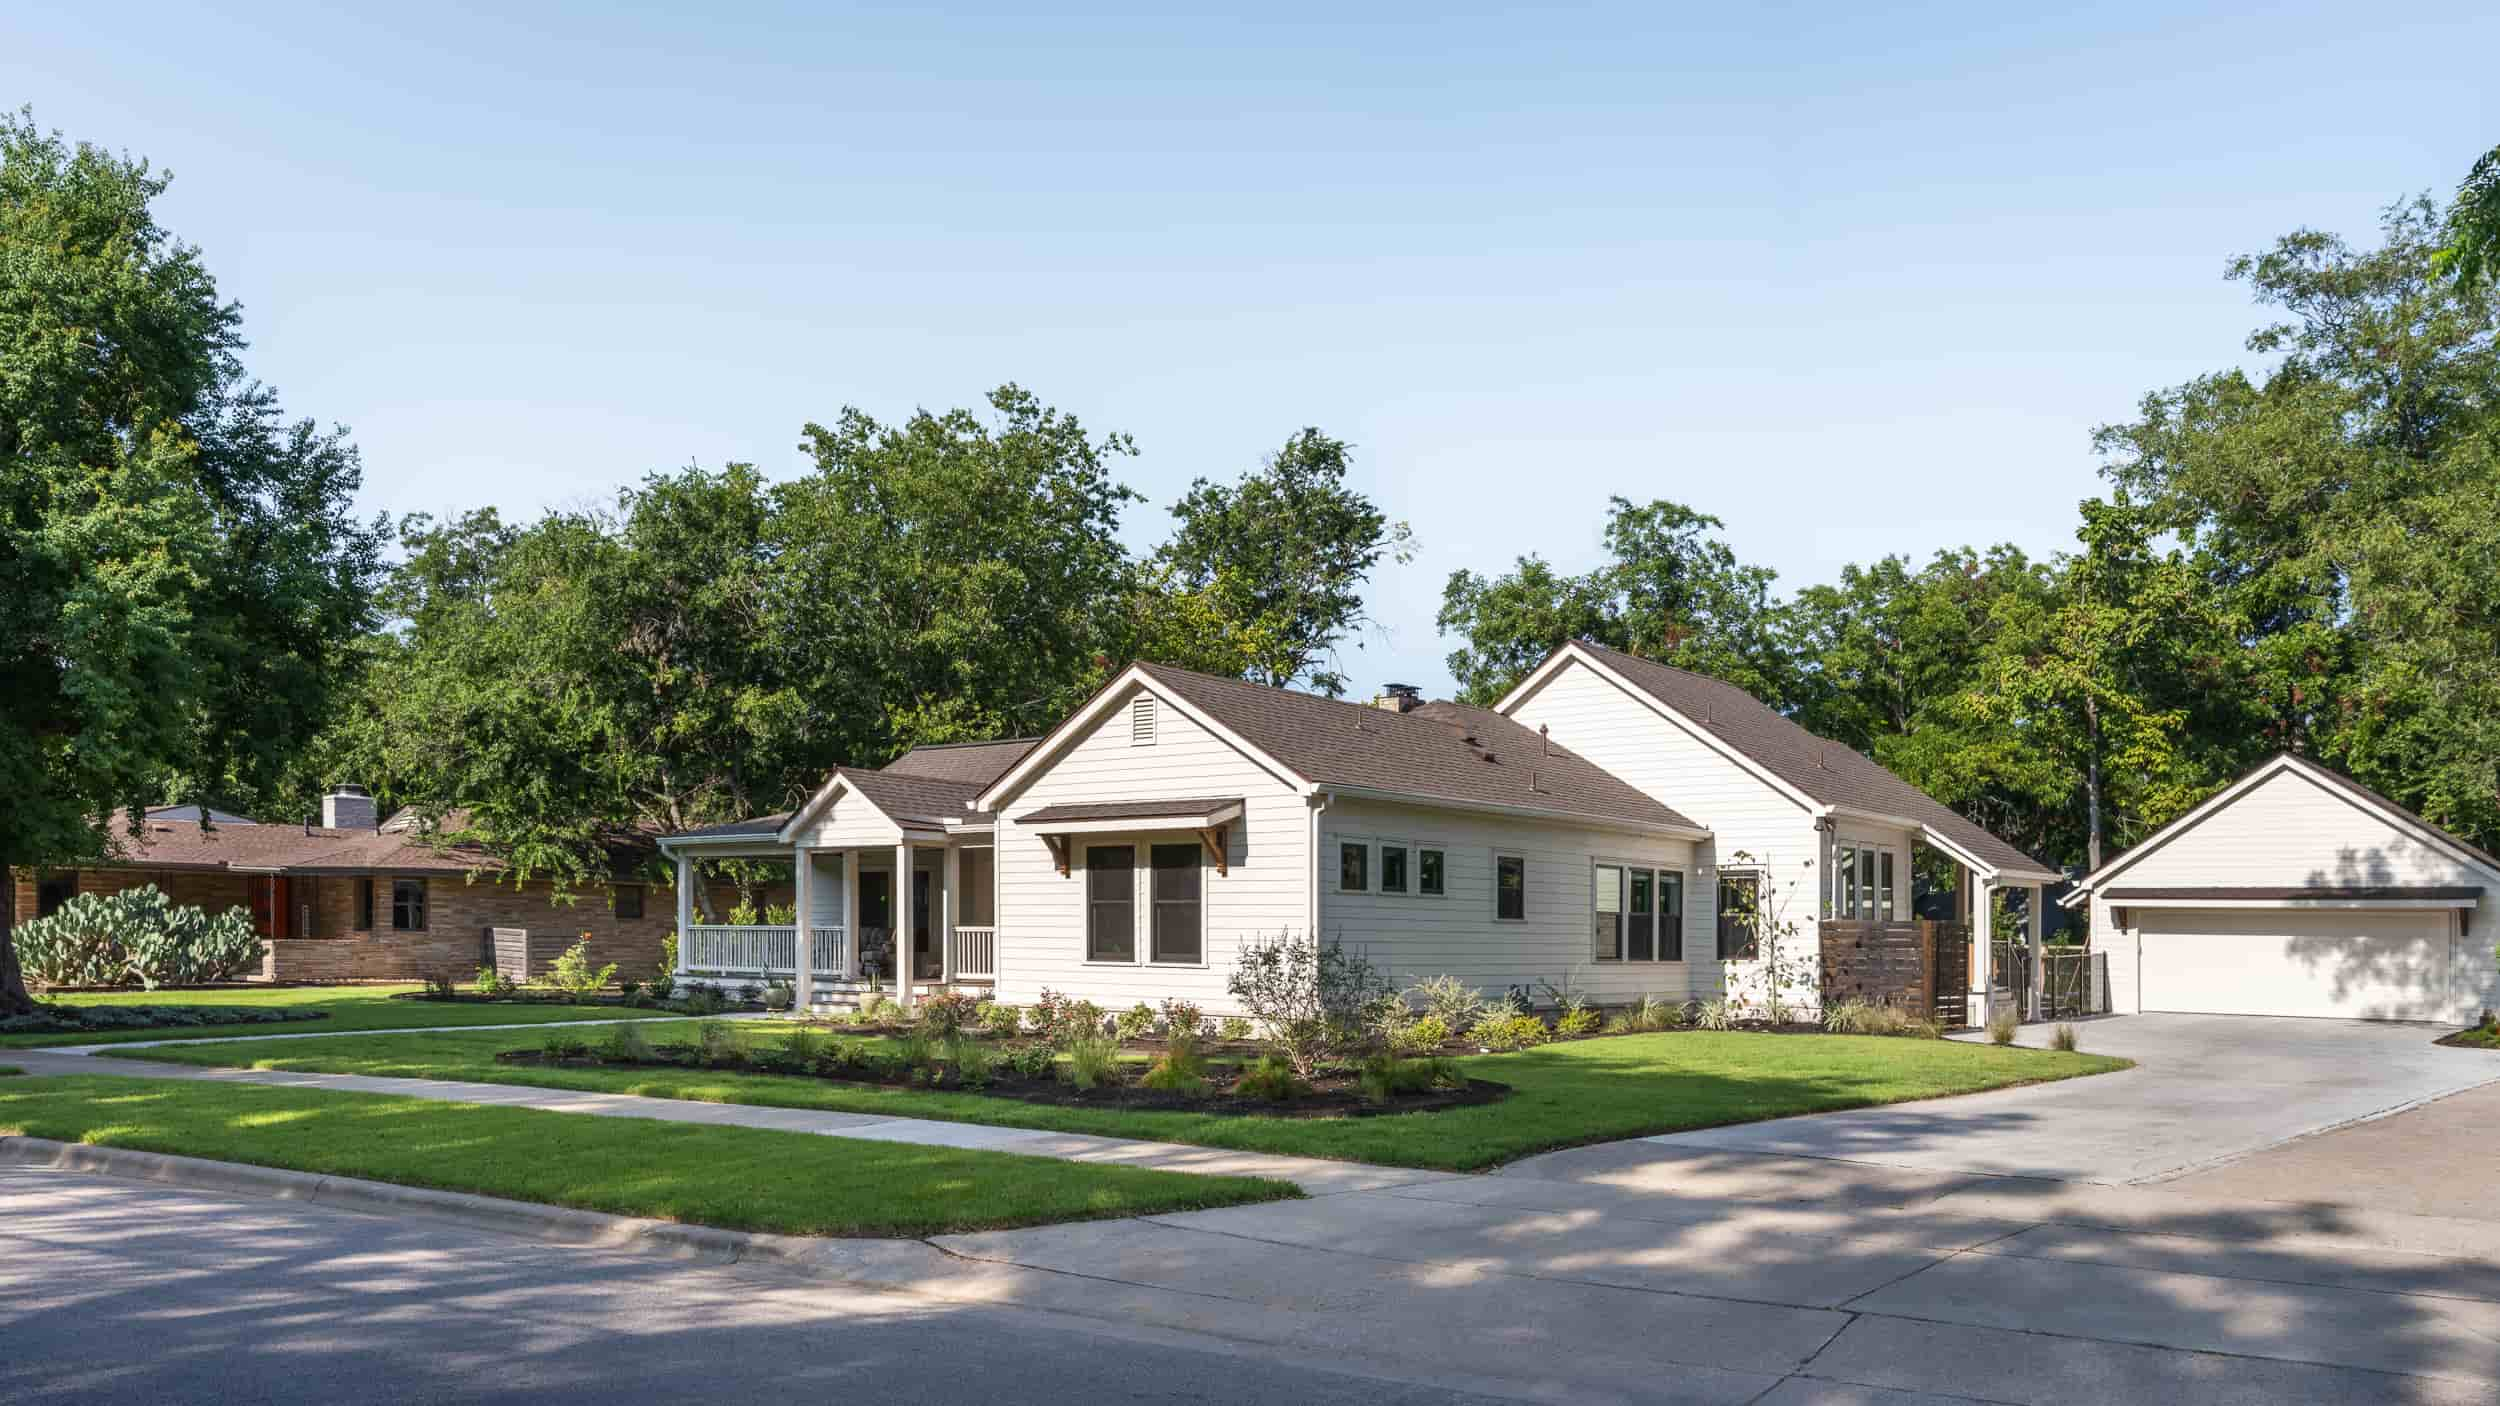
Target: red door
<point>269,898</point>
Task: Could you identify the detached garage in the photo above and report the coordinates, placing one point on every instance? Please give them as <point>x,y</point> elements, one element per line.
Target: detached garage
<point>2299,892</point>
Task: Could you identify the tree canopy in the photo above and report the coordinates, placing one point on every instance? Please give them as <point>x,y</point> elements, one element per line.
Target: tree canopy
<point>181,578</point>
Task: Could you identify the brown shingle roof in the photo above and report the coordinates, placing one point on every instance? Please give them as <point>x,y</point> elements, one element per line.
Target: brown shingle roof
<point>914,798</point>
<point>1127,810</point>
<point>977,762</point>
<point>1437,752</point>
<point>1824,770</point>
<point>184,844</point>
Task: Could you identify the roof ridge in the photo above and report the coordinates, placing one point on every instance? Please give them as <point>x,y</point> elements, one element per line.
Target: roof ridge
<point>939,746</point>
<point>1306,694</point>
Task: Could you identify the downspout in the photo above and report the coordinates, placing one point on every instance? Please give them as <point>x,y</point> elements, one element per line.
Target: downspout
<point>1319,804</point>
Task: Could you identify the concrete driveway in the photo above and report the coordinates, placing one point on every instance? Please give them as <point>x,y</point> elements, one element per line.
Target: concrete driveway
<point>2206,1090</point>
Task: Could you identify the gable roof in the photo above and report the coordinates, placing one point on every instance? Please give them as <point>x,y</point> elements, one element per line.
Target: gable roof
<point>1438,752</point>
<point>2277,765</point>
<point>910,800</point>
<point>158,843</point>
<point>977,762</point>
<point>1827,773</point>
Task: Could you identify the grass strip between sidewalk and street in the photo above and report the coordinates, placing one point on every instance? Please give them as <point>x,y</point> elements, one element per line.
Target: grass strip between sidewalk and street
<point>1563,1095</point>
<point>347,1008</point>
<point>702,1174</point>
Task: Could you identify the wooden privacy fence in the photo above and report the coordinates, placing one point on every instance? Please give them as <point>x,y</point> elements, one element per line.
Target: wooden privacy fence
<point>1916,966</point>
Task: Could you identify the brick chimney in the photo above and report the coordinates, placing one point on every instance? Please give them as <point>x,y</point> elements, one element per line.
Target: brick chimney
<point>1399,698</point>
<point>348,808</point>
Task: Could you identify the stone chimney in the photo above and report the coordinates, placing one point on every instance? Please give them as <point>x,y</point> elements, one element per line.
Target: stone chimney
<point>1399,698</point>
<point>348,808</point>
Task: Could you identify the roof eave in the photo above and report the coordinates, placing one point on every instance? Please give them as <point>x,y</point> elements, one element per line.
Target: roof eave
<point>1575,817</point>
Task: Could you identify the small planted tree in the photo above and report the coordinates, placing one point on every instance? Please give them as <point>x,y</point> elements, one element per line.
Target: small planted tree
<point>1307,998</point>
<point>573,974</point>
<point>1781,977</point>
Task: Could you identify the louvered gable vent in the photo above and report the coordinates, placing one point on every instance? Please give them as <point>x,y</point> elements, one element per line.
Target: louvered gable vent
<point>1141,721</point>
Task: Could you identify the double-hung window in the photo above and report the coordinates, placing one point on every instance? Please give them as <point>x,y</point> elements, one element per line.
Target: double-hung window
<point>1354,867</point>
<point>1431,872</point>
<point>1639,914</point>
<point>1510,888</point>
<point>1393,868</point>
<point>408,905</point>
<point>1740,904</point>
<point>1111,903</point>
<point>1176,936</point>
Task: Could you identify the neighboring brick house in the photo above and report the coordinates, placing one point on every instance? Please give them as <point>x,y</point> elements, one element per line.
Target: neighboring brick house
<point>360,899</point>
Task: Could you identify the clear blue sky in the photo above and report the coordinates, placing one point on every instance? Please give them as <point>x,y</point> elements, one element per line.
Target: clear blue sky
<point>1857,283</point>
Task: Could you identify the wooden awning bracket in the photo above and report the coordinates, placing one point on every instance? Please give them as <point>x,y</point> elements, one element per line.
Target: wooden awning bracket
<point>1058,852</point>
<point>1216,842</point>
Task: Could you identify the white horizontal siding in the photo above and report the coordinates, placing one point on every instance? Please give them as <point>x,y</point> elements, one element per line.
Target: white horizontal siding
<point>1041,916</point>
<point>1752,824</point>
<point>1415,935</point>
<point>850,821</point>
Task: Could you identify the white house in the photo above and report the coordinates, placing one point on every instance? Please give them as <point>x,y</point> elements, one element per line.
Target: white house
<point>1593,828</point>
<point>2298,891</point>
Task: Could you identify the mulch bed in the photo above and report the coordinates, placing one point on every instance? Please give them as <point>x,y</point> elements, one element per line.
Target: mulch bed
<point>1332,1096</point>
<point>96,1020</point>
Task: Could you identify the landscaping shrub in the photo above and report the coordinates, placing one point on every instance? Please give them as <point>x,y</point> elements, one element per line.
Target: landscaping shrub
<point>915,1051</point>
<point>1308,998</point>
<point>136,937</point>
<point>1386,1075</point>
<point>442,986</point>
<point>1060,1019</point>
<point>1646,1015</point>
<point>1002,1021</point>
<point>1177,1073</point>
<point>1511,1032</point>
<point>1135,1023</point>
<point>625,1043</point>
<point>1577,1020</point>
<point>948,1012</point>
<point>2063,1038</point>
<point>629,990</point>
<point>663,986</point>
<point>1424,1032</point>
<point>1091,1059</point>
<point>750,992</point>
<point>878,1009</point>
<point>1034,1061</point>
<point>970,1058</point>
<point>1181,1019</point>
<point>573,974</point>
<point>1273,1079</point>
<point>565,1044</point>
<point>804,1048</point>
<point>717,1043</point>
<point>1716,1014</point>
<point>1233,1027</point>
<point>2002,1027</point>
<point>1454,1001</point>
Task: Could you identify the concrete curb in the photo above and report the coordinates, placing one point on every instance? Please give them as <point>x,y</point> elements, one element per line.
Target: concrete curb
<point>889,1264</point>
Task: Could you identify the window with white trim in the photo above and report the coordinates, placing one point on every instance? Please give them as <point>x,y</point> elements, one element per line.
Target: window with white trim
<point>1637,913</point>
<point>1862,882</point>
<point>1431,872</point>
<point>1393,868</point>
<point>408,905</point>
<point>1354,866</point>
<point>1111,903</point>
<point>1178,919</point>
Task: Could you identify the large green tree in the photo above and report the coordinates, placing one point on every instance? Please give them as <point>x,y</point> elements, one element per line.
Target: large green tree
<point>180,573</point>
<point>1671,590</point>
<point>1282,557</point>
<point>2473,248</point>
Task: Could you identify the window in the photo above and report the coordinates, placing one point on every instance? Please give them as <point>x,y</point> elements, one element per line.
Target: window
<point>1176,925</point>
<point>1862,879</point>
<point>629,901</point>
<point>1739,904</point>
<point>1111,903</point>
<point>408,905</point>
<point>52,892</point>
<point>1393,868</point>
<point>1639,914</point>
<point>1883,887</point>
<point>1844,902</point>
<point>1510,888</point>
<point>1608,913</point>
<point>1429,874</point>
<point>1141,721</point>
<point>1354,867</point>
<point>364,905</point>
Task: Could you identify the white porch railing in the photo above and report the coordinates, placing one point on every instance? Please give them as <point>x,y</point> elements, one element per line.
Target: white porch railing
<point>976,952</point>
<point>725,949</point>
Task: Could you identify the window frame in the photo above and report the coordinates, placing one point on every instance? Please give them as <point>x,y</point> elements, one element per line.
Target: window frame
<point>1500,858</point>
<point>1441,863</point>
<point>400,887</point>
<point>1093,901</point>
<point>1597,893</point>
<point>1406,868</point>
<point>1719,908</point>
<point>362,916</point>
<point>1152,955</point>
<point>1344,845</point>
<point>642,902</point>
<point>1666,923</point>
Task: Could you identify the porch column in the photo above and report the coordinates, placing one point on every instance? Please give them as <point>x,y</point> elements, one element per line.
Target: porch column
<point>904,917</point>
<point>850,914</point>
<point>685,909</point>
<point>950,874</point>
<point>2037,930</point>
<point>1982,954</point>
<point>803,898</point>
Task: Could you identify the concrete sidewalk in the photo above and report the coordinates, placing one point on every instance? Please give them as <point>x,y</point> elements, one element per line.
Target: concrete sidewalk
<point>1317,1176</point>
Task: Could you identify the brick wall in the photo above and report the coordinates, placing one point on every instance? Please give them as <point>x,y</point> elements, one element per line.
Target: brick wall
<point>213,890</point>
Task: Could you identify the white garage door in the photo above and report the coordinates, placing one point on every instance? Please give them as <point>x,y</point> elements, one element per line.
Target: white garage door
<point>2361,965</point>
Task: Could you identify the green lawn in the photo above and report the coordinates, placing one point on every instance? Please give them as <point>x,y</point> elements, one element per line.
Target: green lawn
<point>738,1178</point>
<point>350,1008</point>
<point>1565,1095</point>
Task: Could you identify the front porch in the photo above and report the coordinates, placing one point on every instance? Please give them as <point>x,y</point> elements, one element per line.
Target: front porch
<point>849,912</point>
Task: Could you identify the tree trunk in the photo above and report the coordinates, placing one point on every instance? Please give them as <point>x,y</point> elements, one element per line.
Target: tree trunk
<point>2092,783</point>
<point>13,997</point>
